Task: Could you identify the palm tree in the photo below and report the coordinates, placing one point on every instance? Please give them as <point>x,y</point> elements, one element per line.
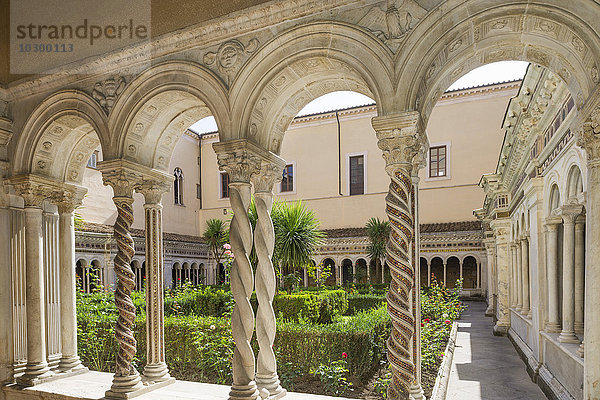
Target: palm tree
<point>297,235</point>
<point>379,233</point>
<point>216,234</point>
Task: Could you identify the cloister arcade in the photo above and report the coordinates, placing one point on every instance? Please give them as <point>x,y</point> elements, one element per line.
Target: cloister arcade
<point>253,72</point>
<point>449,268</point>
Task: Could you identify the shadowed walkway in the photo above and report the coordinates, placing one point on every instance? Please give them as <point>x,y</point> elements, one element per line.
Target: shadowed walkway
<point>487,367</point>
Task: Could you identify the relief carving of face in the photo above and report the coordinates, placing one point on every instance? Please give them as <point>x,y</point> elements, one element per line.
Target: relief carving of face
<point>228,56</point>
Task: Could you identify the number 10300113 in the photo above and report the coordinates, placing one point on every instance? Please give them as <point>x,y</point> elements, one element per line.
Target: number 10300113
<point>45,48</point>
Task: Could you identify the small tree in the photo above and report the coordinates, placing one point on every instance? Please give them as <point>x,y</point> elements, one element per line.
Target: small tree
<point>319,274</point>
<point>379,233</point>
<point>216,234</point>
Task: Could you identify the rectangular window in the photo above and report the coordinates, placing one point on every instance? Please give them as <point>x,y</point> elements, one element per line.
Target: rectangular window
<point>224,185</point>
<point>287,183</point>
<point>198,191</point>
<point>437,161</point>
<point>92,162</point>
<point>357,175</point>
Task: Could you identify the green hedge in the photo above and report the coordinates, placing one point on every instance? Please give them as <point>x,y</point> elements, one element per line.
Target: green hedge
<point>363,302</point>
<point>314,307</point>
<point>199,301</point>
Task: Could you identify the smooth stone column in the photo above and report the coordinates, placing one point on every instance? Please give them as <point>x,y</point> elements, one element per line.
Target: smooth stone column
<point>428,273</point>
<point>579,273</point>
<point>553,324</point>
<point>519,269</point>
<point>267,379</point>
<point>526,310</point>
<point>478,274</point>
<point>66,225</point>
<point>489,247</point>
<point>354,272</point>
<point>514,276</point>
<point>37,366</point>
<point>7,329</point>
<point>444,273</point>
<point>501,228</point>
<point>569,215</point>
<point>156,369</point>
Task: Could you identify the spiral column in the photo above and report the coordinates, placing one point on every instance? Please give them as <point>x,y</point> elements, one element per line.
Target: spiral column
<point>401,139</point>
<point>264,243</point>
<point>238,159</point>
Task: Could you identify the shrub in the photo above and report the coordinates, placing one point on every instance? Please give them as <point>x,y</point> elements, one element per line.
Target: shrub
<point>314,307</point>
<point>363,302</point>
<point>199,301</point>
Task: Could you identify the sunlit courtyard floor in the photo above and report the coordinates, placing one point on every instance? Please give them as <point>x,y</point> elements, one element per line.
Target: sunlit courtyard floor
<point>487,367</point>
<point>92,385</point>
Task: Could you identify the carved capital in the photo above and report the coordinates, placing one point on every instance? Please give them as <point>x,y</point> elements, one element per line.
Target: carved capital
<point>153,189</point>
<point>402,141</point>
<point>125,177</point>
<point>69,198</point>
<point>570,213</point>
<point>34,189</point>
<point>240,158</point>
<point>271,172</point>
<point>588,135</point>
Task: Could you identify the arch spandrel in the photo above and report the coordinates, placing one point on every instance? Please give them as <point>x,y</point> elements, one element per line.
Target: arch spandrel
<point>59,136</point>
<point>158,106</point>
<point>300,65</point>
<point>557,36</point>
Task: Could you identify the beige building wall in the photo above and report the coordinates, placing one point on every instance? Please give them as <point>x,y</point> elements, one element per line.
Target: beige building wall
<point>99,208</point>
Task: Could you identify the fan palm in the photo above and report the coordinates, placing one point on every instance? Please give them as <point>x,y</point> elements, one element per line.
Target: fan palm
<point>216,234</point>
<point>378,232</point>
<point>297,235</point>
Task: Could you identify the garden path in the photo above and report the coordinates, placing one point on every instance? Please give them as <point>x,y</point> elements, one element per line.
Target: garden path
<point>487,367</point>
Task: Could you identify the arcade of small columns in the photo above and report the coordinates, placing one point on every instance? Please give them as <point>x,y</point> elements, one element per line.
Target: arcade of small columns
<point>443,279</point>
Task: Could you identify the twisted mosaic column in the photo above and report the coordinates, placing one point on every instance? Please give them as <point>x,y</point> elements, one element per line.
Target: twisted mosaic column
<point>242,284</point>
<point>400,251</point>
<point>264,243</point>
<point>126,377</point>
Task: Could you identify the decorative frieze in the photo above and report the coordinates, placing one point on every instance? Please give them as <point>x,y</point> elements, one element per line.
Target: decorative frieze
<point>107,91</point>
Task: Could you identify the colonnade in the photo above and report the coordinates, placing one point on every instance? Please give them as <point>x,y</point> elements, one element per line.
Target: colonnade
<point>444,278</point>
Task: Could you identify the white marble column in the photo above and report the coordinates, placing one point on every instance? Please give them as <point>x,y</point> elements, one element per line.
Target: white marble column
<point>401,138</point>
<point>37,365</point>
<point>70,360</point>
<point>354,272</point>
<point>428,273</point>
<point>490,244</point>
<point>7,353</point>
<point>501,228</point>
<point>267,379</point>
<point>51,288</point>
<point>514,278</point>
<point>579,272</point>
<point>588,137</point>
<point>444,273</point>
<point>519,283</point>
<point>526,309</point>
<point>460,269</point>
<point>569,214</point>
<point>156,369</point>
<point>478,275</point>
<point>552,225</point>
<point>238,158</point>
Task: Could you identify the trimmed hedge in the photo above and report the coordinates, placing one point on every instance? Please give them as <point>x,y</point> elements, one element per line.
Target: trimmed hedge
<point>363,302</point>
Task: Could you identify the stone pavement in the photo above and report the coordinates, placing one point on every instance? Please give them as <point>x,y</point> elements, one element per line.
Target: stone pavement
<point>487,367</point>
<point>92,385</point>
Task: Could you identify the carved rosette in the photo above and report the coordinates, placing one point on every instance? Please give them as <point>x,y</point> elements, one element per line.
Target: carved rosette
<point>240,162</point>
<point>264,243</point>
<point>401,142</point>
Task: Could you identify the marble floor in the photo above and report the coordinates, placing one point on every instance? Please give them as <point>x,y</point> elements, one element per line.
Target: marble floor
<point>92,386</point>
<point>487,367</point>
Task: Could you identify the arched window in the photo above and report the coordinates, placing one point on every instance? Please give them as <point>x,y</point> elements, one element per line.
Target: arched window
<point>178,186</point>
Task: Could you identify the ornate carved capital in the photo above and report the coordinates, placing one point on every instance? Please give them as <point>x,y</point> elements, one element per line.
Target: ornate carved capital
<point>69,198</point>
<point>35,189</point>
<point>153,189</point>
<point>240,158</point>
<point>271,172</point>
<point>588,135</point>
<point>570,213</point>
<point>402,140</point>
<point>125,177</point>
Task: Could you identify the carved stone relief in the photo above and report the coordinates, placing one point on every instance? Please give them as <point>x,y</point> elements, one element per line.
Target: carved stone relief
<point>107,91</point>
<point>230,56</point>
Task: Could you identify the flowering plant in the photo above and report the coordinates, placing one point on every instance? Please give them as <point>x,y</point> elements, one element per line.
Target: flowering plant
<point>228,258</point>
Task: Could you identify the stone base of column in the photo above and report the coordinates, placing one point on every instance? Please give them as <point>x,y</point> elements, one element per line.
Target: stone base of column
<point>124,387</point>
<point>568,337</point>
<point>72,363</point>
<point>140,389</point>
<point>244,392</point>
<point>489,311</point>
<point>525,312</point>
<point>552,327</point>
<point>156,373</point>
<point>272,385</point>
<point>416,392</point>
<point>578,327</point>
<point>581,349</point>
<point>35,374</point>
<point>500,329</point>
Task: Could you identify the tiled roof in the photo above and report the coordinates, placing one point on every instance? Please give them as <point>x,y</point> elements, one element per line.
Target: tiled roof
<point>101,228</point>
<point>451,227</point>
<point>425,228</point>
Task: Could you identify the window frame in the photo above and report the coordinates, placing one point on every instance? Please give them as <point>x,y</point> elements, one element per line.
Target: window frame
<point>220,184</point>
<point>179,182</point>
<point>295,179</point>
<point>93,156</point>
<point>365,158</point>
<point>448,175</point>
